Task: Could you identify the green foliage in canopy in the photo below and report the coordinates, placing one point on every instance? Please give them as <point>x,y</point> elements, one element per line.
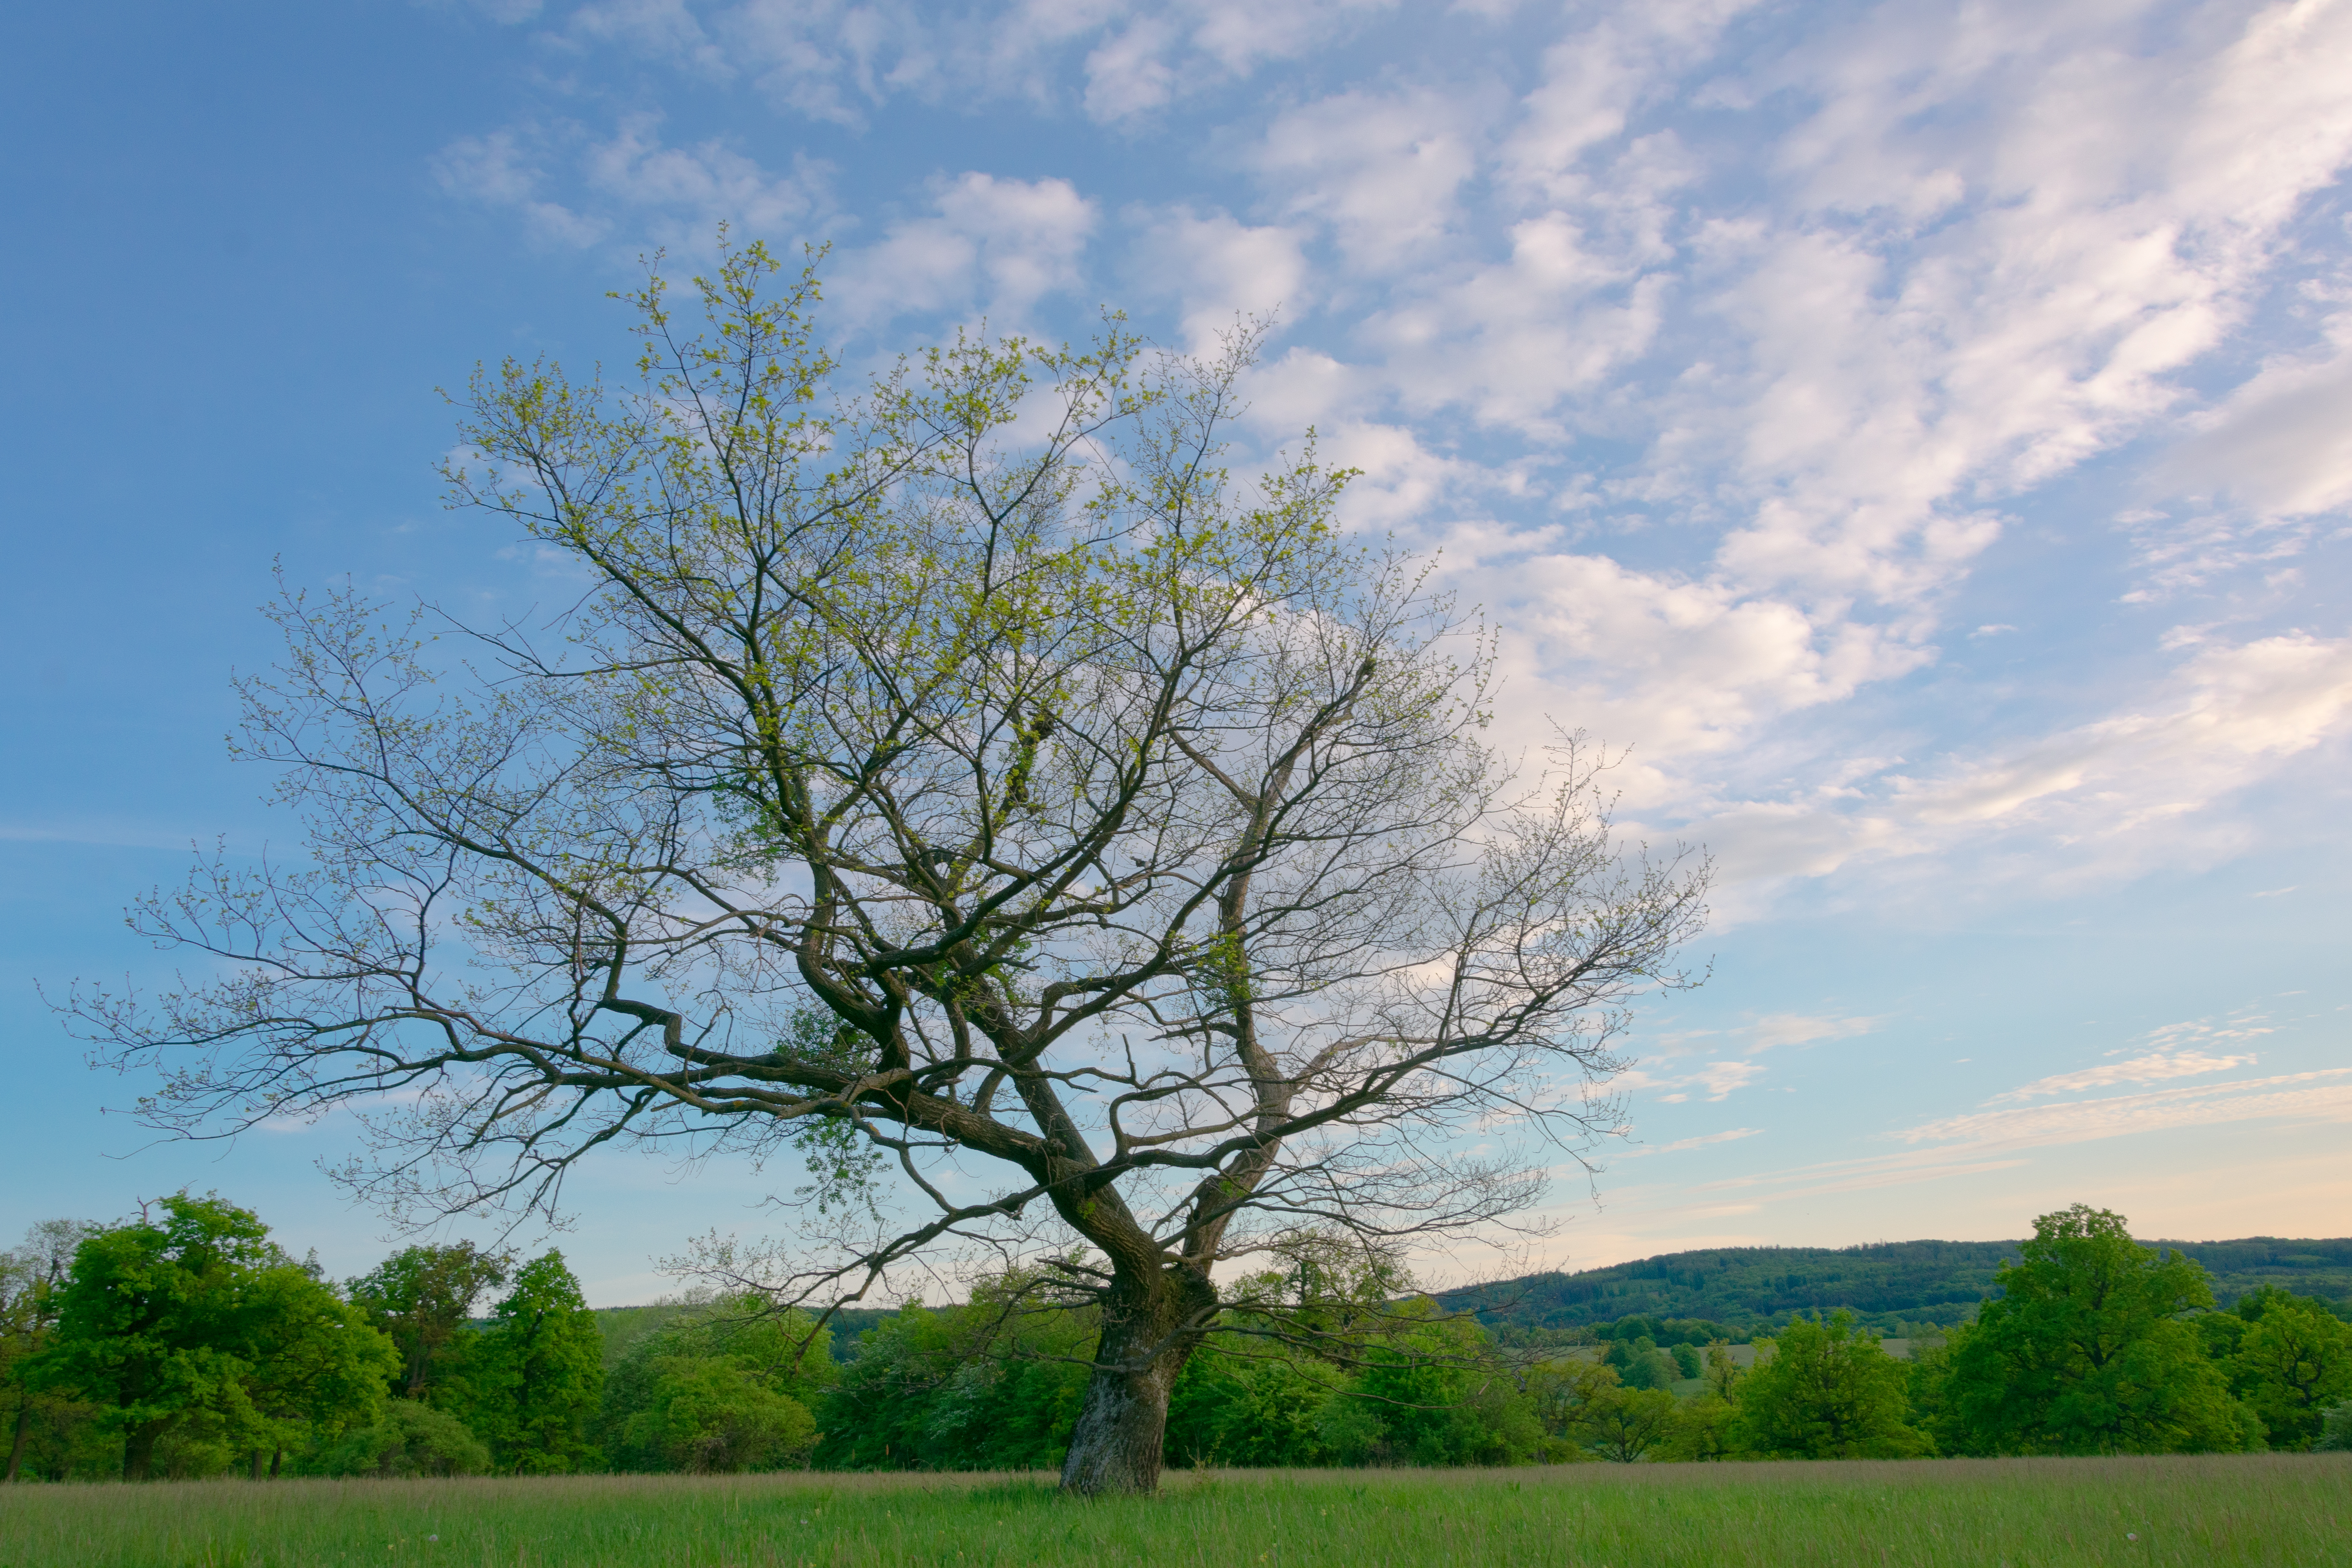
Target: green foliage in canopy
<point>533,1377</point>
<point>1705,1428</point>
<point>2336,1431</point>
<point>1886,1285</point>
<point>1826,1391</point>
<point>195,1328</point>
<point>991,1385</point>
<point>1630,1424</point>
<point>406,1439</point>
<point>314,1363</point>
<point>1640,1363</point>
<point>709,1415</point>
<point>32,1288</point>
<point>422,1296</point>
<point>2087,1351</point>
<point>724,1385</point>
<point>1441,1401</point>
<point>2293,1362</point>
<point>1261,1405</point>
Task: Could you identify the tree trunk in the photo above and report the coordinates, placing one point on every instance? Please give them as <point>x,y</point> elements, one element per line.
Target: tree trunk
<point>23,1427</point>
<point>1149,1329</point>
<point>139,1450</point>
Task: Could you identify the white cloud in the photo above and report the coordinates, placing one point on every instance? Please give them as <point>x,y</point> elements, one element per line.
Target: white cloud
<point>2280,445</point>
<point>663,27</point>
<point>1716,359</point>
<point>2236,712</point>
<point>1593,80</point>
<point>1702,1141</point>
<point>843,60</point>
<point>1801,1029</point>
<point>994,246</point>
<point>1218,268</point>
<point>1381,169</point>
<point>674,196</point>
<point>1716,1080</point>
<point>2308,1096</point>
<point>1166,52</point>
<point>2154,1068</point>
<point>495,170</point>
<point>698,188</point>
<point>1674,666</point>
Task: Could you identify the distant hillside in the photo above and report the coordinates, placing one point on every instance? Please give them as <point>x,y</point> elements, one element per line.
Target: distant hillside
<point>1884,1284</point>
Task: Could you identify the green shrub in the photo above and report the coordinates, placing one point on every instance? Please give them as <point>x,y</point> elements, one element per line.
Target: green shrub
<point>408,1439</point>
<point>710,1416</point>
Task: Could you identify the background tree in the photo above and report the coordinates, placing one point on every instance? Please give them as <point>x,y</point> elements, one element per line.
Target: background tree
<point>1255,1407</point>
<point>2336,1430</point>
<point>1722,1373</point>
<point>2087,1351</point>
<point>422,1296</point>
<point>314,1365</point>
<point>32,1281</point>
<point>1440,1398</point>
<point>1640,1363</point>
<point>981,1385</point>
<point>534,1380</point>
<point>1133,828</point>
<point>1825,1390</point>
<point>725,1387</point>
<point>193,1322</point>
<point>1705,1428</point>
<point>406,1439</point>
<point>1627,1425</point>
<point>2293,1361</point>
<point>1562,1393</point>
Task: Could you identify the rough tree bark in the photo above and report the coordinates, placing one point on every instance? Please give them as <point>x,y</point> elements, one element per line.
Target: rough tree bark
<point>1151,1325</point>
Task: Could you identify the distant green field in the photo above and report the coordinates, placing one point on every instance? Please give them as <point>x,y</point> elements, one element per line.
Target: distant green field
<point>2062,1513</point>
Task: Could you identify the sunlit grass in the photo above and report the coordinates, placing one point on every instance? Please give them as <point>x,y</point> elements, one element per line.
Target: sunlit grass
<point>2254,1509</point>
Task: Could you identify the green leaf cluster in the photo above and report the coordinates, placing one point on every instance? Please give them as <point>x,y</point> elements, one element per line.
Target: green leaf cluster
<point>196,1337</point>
<point>723,1386</point>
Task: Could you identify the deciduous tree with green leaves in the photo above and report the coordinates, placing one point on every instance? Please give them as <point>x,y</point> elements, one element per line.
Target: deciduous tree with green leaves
<point>191,1317</point>
<point>1824,1389</point>
<point>534,1379</point>
<point>314,1365</point>
<point>2293,1361</point>
<point>1131,826</point>
<point>422,1296</point>
<point>724,1385</point>
<point>1626,1425</point>
<point>32,1285</point>
<point>2088,1351</point>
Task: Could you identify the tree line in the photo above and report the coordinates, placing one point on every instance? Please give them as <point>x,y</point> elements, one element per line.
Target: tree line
<point>185,1342</point>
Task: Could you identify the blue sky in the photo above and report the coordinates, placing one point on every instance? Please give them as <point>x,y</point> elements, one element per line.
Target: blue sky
<point>1922,432</point>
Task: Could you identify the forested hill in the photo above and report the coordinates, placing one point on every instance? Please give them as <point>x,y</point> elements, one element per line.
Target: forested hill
<point>1886,1284</point>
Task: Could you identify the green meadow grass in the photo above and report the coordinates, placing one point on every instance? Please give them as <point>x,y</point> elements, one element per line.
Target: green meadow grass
<point>2251,1509</point>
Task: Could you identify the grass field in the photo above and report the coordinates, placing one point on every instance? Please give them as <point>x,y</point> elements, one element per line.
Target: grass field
<point>2254,1508</point>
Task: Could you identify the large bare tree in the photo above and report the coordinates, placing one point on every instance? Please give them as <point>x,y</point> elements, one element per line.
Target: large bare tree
<point>965,781</point>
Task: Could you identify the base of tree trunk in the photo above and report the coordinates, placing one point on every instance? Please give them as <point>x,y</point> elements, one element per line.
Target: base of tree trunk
<point>1149,1329</point>
<point>1116,1446</point>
